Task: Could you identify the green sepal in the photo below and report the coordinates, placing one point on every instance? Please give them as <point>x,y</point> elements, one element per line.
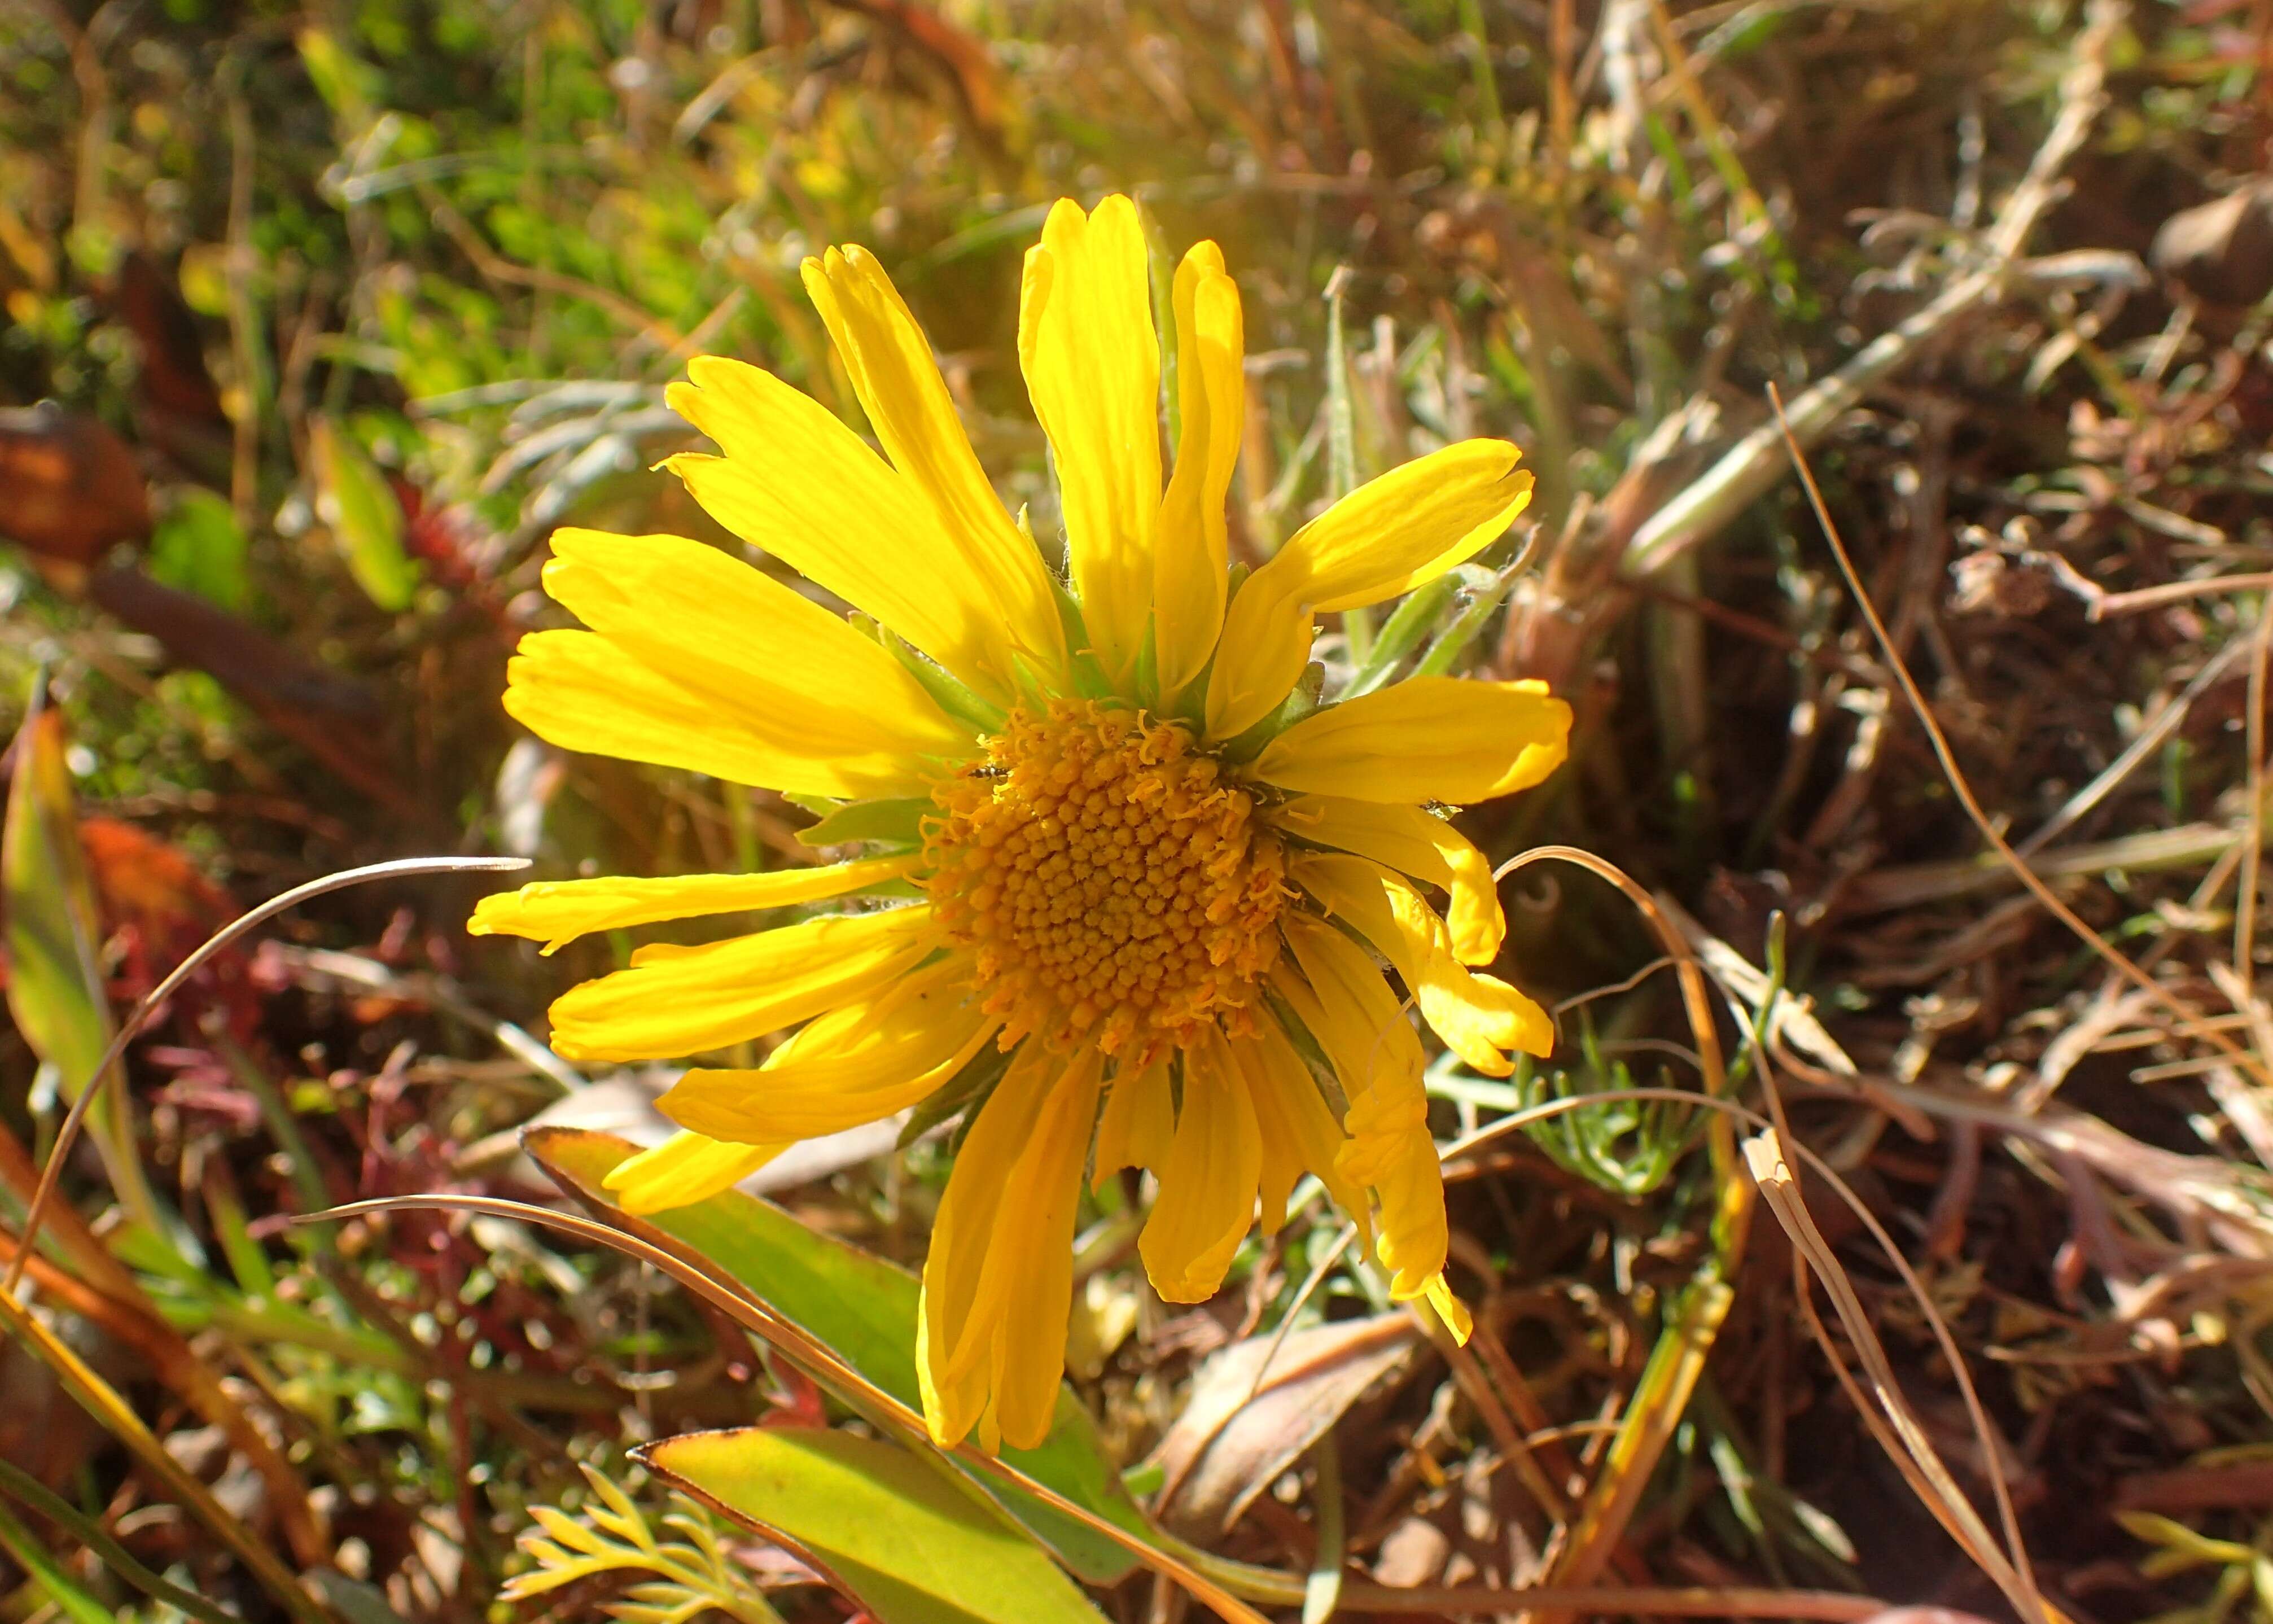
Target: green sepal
<point>1413,620</point>
<point>967,1089</point>
<point>1145,680</point>
<point>880,822</point>
<point>954,698</point>
<point>1483,601</point>
<point>1089,679</point>
<point>1296,705</point>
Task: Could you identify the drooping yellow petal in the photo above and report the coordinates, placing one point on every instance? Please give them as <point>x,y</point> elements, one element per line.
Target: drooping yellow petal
<point>892,370</point>
<point>1410,840</point>
<point>685,1169</point>
<point>1340,996</point>
<point>1355,890</point>
<point>1092,367</point>
<point>1425,739</point>
<point>1479,1017</point>
<point>1386,537</point>
<point>684,1000</point>
<point>1206,1199</point>
<point>799,484</point>
<point>757,651</point>
<point>557,912</point>
<point>1189,574</point>
<point>856,1065</point>
<point>1341,999</point>
<point>583,693</point>
<point>1300,1134</point>
<point>1450,1309</point>
<point>998,1283</point>
<point>1138,1125</point>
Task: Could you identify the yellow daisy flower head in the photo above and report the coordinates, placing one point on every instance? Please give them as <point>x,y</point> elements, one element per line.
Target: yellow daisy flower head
<point>1152,903</point>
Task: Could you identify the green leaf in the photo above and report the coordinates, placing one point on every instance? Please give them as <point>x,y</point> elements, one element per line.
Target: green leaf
<point>54,978</point>
<point>908,1544</point>
<point>33,1555</point>
<point>356,505</point>
<point>864,1307</point>
<point>200,547</point>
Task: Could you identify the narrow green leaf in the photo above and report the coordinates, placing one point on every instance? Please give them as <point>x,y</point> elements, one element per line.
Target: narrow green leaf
<point>907,1543</point>
<point>355,505</point>
<point>54,1580</point>
<point>54,978</point>
<point>864,1307</point>
<point>22,1485</point>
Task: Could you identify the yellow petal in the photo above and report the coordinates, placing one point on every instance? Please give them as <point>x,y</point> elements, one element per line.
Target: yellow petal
<point>1206,1199</point>
<point>760,652</point>
<point>684,1000</point>
<point>908,405</point>
<point>585,694</point>
<point>1189,575</point>
<point>557,912</point>
<point>1138,1126</point>
<point>1479,1016</point>
<point>1092,367</point>
<point>799,484</point>
<point>1448,1309</point>
<point>685,1169</point>
<point>1341,997</point>
<point>1385,538</point>
<point>1355,889</point>
<point>856,1065</point>
<point>997,1282</point>
<point>1300,1134</point>
<point>1413,841</point>
<point>1426,739</point>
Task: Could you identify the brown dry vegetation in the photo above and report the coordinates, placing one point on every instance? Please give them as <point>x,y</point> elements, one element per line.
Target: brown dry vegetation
<point>343,307</point>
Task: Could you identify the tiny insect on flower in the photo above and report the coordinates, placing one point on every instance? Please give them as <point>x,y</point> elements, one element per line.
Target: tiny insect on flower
<point>1180,945</point>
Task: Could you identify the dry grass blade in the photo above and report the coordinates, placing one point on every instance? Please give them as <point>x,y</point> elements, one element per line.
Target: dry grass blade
<point>1937,1489</point>
<point>1749,470</point>
<point>2016,1562</point>
<point>105,1403</point>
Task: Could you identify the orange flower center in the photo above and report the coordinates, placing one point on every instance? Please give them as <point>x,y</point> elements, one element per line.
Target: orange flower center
<point>1107,879</point>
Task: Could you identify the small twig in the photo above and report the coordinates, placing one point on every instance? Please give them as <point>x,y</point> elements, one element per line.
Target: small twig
<point>2174,591</point>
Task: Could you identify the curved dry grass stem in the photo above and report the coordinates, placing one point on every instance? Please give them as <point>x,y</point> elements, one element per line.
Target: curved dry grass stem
<point>1695,999</point>
<point>2258,1065</point>
<point>131,1026</point>
<point>1267,1585</point>
<point>819,1360</point>
<point>1778,1145</point>
<point>1686,1341</point>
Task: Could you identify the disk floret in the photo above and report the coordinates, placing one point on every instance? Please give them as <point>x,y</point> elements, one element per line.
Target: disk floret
<point>1111,884</point>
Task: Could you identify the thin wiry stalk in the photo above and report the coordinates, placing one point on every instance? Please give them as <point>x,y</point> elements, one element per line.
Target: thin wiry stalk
<point>157,995</point>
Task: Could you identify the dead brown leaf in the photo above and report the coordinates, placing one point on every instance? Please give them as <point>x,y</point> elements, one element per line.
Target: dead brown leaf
<point>1237,1433</point>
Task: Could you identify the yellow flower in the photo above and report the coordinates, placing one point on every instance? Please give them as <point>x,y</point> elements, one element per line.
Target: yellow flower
<point>1152,920</point>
